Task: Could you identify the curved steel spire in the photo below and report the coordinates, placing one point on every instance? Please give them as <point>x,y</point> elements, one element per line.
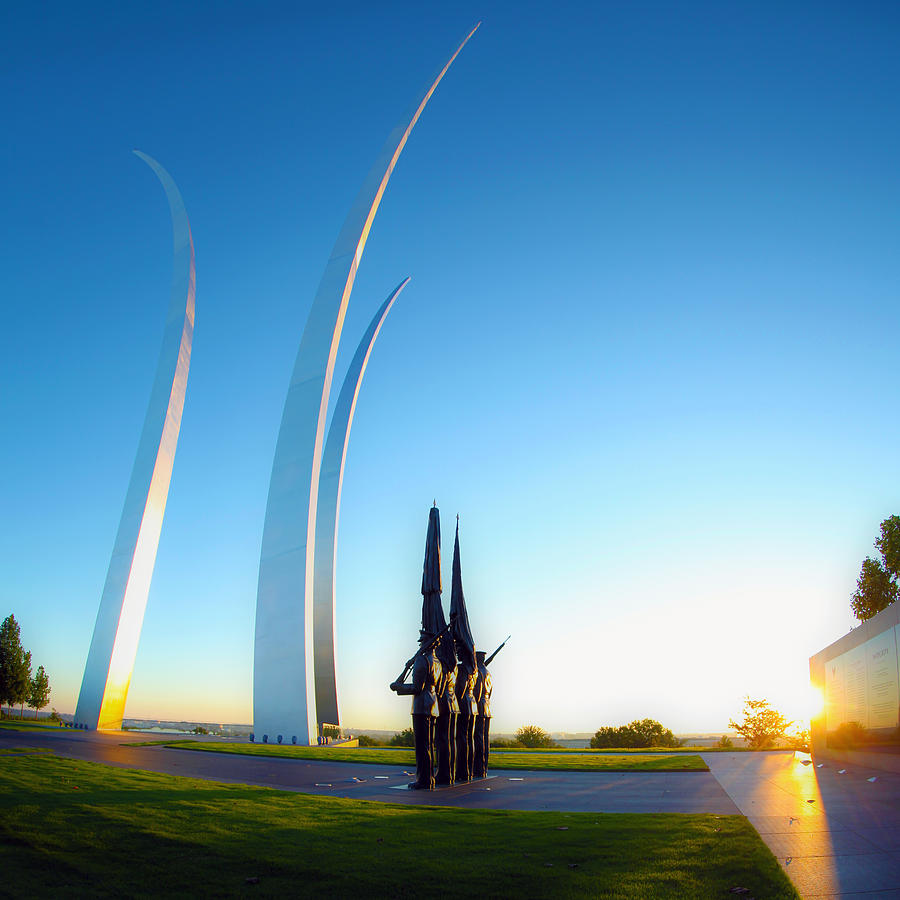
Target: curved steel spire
<point>328,508</point>
<point>284,702</point>
<point>107,672</point>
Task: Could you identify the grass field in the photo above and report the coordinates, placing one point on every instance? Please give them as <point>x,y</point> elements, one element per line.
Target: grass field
<point>500,759</point>
<point>25,725</point>
<point>11,751</point>
<point>75,828</point>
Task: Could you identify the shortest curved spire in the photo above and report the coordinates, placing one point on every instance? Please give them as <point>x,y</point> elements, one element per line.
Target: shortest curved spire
<point>329,505</point>
<point>117,630</point>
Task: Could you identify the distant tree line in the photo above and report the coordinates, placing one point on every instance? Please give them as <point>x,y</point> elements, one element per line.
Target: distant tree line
<point>403,738</point>
<point>17,686</point>
<point>640,733</point>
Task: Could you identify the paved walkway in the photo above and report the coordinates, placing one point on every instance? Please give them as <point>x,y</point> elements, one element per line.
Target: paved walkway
<point>834,831</point>
<point>681,792</point>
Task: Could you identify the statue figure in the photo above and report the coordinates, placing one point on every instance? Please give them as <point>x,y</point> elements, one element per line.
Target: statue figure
<point>445,724</point>
<point>466,676</point>
<point>483,690</point>
<point>426,676</point>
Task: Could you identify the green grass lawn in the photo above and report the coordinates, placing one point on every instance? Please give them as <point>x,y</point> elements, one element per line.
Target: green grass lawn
<point>9,751</point>
<point>585,761</point>
<point>78,828</point>
<point>25,725</point>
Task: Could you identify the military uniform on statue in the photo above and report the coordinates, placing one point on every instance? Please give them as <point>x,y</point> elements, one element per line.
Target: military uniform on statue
<point>483,690</point>
<point>445,725</point>
<point>426,675</point>
<point>466,676</point>
<point>466,671</point>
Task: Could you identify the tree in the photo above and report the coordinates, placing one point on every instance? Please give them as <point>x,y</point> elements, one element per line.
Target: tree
<point>39,695</point>
<point>875,590</point>
<point>23,683</point>
<point>15,664</point>
<point>534,736</point>
<point>640,733</point>
<point>761,725</point>
<point>877,585</point>
<point>725,743</point>
<point>888,544</point>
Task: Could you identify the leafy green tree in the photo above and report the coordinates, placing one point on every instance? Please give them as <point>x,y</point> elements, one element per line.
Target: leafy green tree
<point>39,695</point>
<point>761,725</point>
<point>877,585</point>
<point>725,743</point>
<point>15,664</point>
<point>367,741</point>
<point>405,738</point>
<point>640,733</point>
<point>875,590</point>
<point>534,736</point>
<point>23,683</point>
<point>888,544</point>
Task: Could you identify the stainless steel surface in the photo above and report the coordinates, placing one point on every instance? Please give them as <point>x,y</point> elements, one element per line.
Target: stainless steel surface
<point>328,512</point>
<point>107,672</point>
<point>284,701</point>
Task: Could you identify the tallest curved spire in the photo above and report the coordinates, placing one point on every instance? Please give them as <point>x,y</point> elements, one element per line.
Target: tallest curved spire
<point>283,670</point>
<point>117,630</point>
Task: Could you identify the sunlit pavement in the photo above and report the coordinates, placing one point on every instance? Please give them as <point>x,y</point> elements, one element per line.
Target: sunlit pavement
<point>834,828</point>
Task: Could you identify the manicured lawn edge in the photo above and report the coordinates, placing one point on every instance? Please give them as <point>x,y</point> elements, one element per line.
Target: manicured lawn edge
<point>78,828</point>
<point>500,759</point>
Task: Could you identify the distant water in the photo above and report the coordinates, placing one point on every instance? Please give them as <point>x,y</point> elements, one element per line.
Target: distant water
<point>157,730</point>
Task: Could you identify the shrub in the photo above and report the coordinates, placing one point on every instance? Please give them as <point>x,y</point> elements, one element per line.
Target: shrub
<point>405,738</point>
<point>848,735</point>
<point>532,736</point>
<point>640,733</point>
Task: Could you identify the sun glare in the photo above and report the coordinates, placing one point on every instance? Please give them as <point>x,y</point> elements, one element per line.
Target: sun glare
<point>815,702</point>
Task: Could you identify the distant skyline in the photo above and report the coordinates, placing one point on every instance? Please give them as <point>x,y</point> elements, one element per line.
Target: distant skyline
<point>646,351</point>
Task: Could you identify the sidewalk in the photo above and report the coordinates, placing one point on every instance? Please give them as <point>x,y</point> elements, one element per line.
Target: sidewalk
<point>835,834</point>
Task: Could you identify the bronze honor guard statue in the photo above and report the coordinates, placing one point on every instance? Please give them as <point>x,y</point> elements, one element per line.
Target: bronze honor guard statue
<point>483,690</point>
<point>428,678</point>
<point>466,672</point>
<point>426,674</point>
<point>448,708</point>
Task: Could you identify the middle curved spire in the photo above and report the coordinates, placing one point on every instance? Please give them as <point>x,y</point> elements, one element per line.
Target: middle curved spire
<point>328,511</point>
<point>284,704</point>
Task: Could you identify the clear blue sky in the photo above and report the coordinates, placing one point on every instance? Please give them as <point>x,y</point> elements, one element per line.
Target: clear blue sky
<point>648,352</point>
